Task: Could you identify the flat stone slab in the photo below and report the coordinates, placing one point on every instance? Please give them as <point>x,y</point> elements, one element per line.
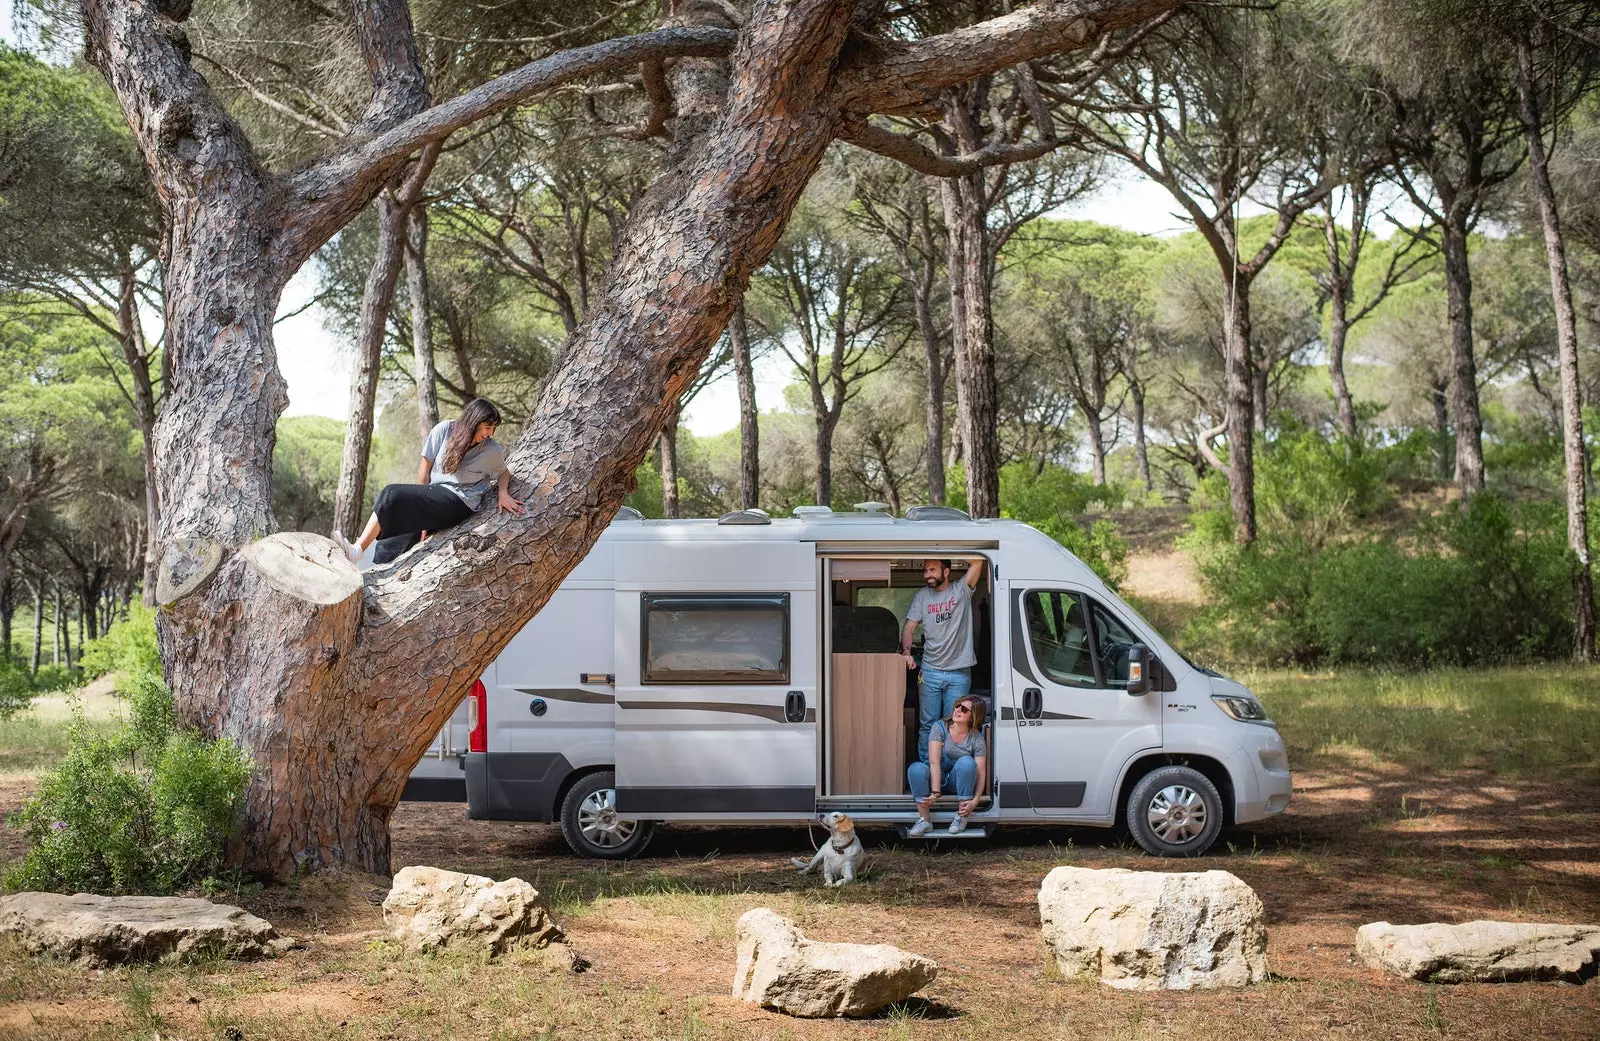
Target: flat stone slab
<point>1481,952</point>
<point>779,968</point>
<point>108,930</point>
<point>1153,930</point>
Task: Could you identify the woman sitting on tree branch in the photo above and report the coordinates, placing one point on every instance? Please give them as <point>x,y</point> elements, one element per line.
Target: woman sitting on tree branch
<point>469,463</point>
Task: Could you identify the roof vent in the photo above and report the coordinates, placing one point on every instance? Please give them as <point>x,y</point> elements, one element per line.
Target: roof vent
<point>929,513</point>
<point>873,507</point>
<point>811,511</point>
<point>627,513</point>
<point>751,516</point>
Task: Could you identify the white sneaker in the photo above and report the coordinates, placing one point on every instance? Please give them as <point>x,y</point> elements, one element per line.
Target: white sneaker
<point>921,828</point>
<point>350,551</point>
<point>958,825</point>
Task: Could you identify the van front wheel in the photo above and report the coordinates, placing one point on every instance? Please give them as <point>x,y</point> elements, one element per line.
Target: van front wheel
<point>589,820</point>
<point>1175,812</point>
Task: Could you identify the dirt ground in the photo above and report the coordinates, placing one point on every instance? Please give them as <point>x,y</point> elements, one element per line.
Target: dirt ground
<point>1359,844</point>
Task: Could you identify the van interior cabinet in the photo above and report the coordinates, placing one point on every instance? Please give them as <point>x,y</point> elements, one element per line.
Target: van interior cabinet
<point>868,728</point>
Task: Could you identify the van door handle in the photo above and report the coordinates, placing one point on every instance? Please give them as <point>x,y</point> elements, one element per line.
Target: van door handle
<point>794,706</point>
<point>1032,703</point>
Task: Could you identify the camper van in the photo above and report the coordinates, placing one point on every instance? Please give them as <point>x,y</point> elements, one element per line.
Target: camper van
<point>747,670</point>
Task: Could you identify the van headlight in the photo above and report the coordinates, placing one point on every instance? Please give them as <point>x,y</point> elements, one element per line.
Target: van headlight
<point>1245,710</point>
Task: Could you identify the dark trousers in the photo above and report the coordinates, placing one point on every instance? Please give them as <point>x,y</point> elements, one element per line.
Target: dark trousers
<point>405,511</point>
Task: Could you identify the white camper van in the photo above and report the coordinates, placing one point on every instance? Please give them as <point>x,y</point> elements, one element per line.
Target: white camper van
<point>746,670</point>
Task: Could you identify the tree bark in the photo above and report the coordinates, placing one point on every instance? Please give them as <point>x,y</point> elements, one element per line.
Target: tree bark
<point>826,423</point>
<point>922,287</point>
<point>8,608</point>
<point>136,353</point>
<point>1463,365</point>
<point>335,681</point>
<point>1339,329</point>
<point>1141,450</point>
<point>667,455</point>
<point>1097,451</point>
<point>38,626</point>
<point>1240,405</point>
<point>348,503</point>
<point>421,322</point>
<point>749,416</point>
<point>1575,464</point>
<point>972,328</point>
<point>1441,426</point>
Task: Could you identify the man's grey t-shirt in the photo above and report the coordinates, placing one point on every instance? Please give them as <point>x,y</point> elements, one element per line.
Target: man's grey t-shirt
<point>946,626</point>
<point>476,474</point>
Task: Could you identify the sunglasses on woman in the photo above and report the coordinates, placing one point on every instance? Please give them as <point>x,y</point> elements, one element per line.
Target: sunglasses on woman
<point>959,708</point>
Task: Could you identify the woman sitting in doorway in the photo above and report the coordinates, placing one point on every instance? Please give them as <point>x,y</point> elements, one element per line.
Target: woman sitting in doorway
<point>461,462</point>
<point>956,750</point>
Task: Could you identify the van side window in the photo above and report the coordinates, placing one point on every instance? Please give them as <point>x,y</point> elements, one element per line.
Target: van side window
<point>1059,635</point>
<point>1112,641</point>
<point>715,639</point>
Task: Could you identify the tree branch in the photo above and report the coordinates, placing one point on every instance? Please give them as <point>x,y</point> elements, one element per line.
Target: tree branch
<point>923,159</point>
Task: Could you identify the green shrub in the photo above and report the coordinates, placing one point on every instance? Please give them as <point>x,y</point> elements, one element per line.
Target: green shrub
<point>128,646</point>
<point>146,808</point>
<point>18,686</point>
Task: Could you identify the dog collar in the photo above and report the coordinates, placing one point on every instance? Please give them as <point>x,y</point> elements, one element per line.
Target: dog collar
<point>840,849</point>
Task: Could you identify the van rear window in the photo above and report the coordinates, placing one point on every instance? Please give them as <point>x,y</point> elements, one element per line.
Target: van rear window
<point>715,639</point>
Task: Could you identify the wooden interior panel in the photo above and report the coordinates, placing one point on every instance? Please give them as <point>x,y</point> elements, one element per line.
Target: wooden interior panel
<point>867,729</point>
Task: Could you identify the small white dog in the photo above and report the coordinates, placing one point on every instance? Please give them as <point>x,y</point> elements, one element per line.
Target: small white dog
<point>841,856</point>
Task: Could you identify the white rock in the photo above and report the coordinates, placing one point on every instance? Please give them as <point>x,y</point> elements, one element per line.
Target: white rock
<point>1154,930</point>
<point>1480,951</point>
<point>781,969</point>
<point>429,909</point>
<point>105,930</point>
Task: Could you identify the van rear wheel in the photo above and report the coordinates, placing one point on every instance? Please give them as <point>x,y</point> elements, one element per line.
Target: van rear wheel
<point>589,821</point>
<point>1175,812</point>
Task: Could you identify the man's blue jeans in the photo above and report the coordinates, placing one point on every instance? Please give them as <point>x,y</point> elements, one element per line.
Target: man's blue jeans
<point>958,774</point>
<point>937,699</point>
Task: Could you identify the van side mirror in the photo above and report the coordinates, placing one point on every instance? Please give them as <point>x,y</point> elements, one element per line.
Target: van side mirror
<point>1139,669</point>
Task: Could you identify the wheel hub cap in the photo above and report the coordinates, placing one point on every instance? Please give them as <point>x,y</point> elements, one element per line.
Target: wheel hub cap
<point>597,819</point>
<point>1177,814</point>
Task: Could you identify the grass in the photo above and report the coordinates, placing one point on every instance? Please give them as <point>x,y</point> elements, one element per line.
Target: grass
<point>35,738</point>
<point>1517,721</point>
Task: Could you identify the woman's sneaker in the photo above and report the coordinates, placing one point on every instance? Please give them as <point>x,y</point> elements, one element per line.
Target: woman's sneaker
<point>350,551</point>
<point>921,828</point>
<point>958,825</point>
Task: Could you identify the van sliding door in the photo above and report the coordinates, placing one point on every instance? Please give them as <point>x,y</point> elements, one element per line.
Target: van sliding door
<point>716,685</point>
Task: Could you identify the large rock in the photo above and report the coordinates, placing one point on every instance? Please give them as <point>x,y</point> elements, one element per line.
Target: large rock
<point>1480,952</point>
<point>1154,930</point>
<point>429,909</point>
<point>781,969</point>
<point>106,930</point>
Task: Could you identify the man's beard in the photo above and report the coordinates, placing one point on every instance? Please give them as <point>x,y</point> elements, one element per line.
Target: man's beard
<point>933,583</point>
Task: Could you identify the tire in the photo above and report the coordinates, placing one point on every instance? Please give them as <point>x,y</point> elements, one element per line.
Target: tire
<point>588,821</point>
<point>1175,812</point>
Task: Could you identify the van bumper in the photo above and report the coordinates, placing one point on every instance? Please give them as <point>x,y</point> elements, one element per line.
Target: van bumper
<point>1262,782</point>
<point>514,786</point>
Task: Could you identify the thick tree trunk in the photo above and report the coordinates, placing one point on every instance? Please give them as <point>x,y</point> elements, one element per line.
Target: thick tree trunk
<point>667,457</point>
<point>1241,403</point>
<point>1575,464</point>
<point>972,325</point>
<point>348,513</point>
<point>1463,365</point>
<point>749,417</point>
<point>1141,450</point>
<point>421,322</point>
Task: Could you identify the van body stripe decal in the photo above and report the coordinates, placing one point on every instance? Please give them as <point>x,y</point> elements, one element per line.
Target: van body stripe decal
<point>772,712</point>
<point>587,697</point>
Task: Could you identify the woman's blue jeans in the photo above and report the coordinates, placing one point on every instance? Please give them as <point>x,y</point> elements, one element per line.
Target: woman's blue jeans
<point>937,699</point>
<point>963,772</point>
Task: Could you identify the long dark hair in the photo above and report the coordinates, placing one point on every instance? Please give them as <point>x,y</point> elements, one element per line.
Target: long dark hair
<point>478,410</point>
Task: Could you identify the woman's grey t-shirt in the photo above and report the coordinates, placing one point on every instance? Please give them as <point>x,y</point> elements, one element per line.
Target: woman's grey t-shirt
<point>946,626</point>
<point>477,472</point>
<point>973,744</point>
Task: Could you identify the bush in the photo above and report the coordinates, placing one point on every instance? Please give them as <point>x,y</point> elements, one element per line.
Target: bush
<point>1051,500</point>
<point>147,808</point>
<point>18,686</point>
<point>128,646</point>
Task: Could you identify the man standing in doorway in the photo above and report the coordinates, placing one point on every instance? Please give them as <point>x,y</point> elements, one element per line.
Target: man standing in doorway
<point>944,610</point>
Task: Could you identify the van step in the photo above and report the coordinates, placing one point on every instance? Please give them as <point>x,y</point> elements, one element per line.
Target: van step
<point>973,831</point>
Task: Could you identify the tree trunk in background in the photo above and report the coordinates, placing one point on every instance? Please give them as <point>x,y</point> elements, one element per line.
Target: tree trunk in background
<point>667,455</point>
<point>749,416</point>
<point>1339,331</point>
<point>348,512</point>
<point>55,621</point>
<point>1258,395</point>
<point>1575,464</point>
<point>1141,450</point>
<point>1441,427</point>
<point>8,608</point>
<point>972,328</point>
<point>1097,450</point>
<point>135,353</point>
<point>1463,365</point>
<point>38,627</point>
<point>1241,403</point>
<point>922,286</point>
<point>826,423</point>
<point>421,320</point>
